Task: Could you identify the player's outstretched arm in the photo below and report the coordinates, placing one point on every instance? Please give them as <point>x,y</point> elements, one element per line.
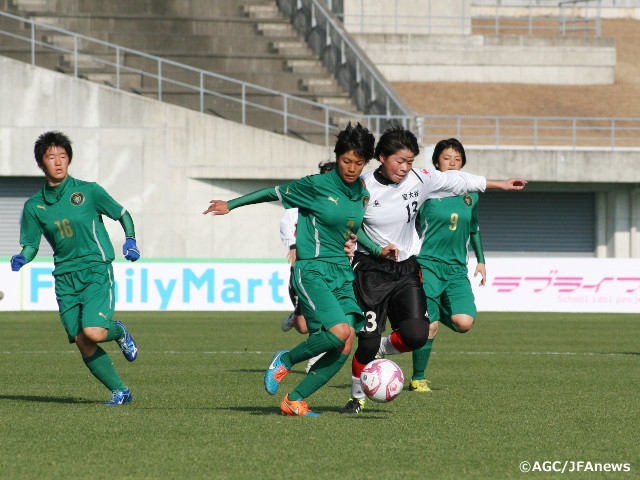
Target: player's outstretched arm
<point>220,207</point>
<point>510,184</point>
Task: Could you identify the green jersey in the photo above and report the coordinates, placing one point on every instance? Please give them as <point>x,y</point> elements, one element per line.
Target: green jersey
<point>446,224</point>
<point>329,211</point>
<point>69,216</point>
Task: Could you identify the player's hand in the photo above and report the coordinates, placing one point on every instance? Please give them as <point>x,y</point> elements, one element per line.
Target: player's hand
<point>390,252</point>
<point>217,207</point>
<point>350,245</point>
<point>512,184</point>
<point>483,274</point>
<point>130,250</point>
<point>291,256</point>
<point>17,262</point>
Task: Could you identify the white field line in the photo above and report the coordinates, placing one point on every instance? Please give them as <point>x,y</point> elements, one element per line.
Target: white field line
<point>259,352</point>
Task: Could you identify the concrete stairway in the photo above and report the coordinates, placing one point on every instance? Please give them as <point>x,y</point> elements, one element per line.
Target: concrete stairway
<point>249,40</point>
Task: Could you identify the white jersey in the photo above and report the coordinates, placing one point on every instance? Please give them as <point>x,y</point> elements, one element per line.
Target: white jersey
<point>391,212</point>
<point>288,225</point>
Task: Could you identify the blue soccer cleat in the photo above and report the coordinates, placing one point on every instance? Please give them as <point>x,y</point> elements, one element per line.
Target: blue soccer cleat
<point>127,344</point>
<point>120,397</point>
<point>275,373</point>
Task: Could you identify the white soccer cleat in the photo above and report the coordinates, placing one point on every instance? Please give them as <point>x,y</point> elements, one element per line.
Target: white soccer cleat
<point>287,323</point>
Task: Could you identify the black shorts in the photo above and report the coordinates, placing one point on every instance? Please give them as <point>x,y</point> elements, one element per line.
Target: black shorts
<point>294,296</point>
<point>386,289</point>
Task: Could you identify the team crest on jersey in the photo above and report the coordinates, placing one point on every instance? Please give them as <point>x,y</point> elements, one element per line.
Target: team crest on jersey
<point>468,201</point>
<point>77,199</point>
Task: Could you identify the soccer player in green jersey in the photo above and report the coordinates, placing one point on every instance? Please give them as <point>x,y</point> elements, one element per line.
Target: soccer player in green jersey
<point>330,209</point>
<point>448,225</point>
<point>68,212</point>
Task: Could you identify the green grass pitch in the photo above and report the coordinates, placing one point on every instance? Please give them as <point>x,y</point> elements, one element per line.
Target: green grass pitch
<point>517,387</point>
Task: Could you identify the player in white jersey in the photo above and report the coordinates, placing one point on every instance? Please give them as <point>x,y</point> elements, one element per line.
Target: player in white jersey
<point>387,274</point>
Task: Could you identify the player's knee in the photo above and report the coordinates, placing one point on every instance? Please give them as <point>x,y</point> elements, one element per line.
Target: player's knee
<point>416,342</point>
<point>414,332</point>
<point>93,334</point>
<point>85,345</point>
<point>433,329</point>
<point>341,332</point>
<point>463,322</point>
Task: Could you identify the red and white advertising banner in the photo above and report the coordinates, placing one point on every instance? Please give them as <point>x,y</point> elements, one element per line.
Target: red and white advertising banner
<point>559,285</point>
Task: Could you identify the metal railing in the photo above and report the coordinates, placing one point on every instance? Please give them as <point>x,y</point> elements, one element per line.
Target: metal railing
<point>402,16</point>
<point>525,3</point>
<point>243,102</point>
<point>328,39</point>
<point>594,133</point>
<point>540,17</point>
<point>576,17</point>
<point>522,17</point>
<point>165,80</point>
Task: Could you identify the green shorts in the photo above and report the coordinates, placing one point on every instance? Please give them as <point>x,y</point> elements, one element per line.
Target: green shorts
<point>86,298</point>
<point>325,295</point>
<point>448,291</point>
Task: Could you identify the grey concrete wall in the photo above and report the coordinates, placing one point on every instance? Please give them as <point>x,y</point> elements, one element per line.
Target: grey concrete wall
<point>486,58</point>
<point>560,166</point>
<point>164,163</point>
<point>431,41</point>
<point>436,17</point>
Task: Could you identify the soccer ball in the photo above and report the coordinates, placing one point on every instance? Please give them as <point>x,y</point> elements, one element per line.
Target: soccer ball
<point>382,380</point>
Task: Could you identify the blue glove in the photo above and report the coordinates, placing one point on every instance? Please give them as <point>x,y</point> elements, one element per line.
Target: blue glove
<point>17,262</point>
<point>130,250</point>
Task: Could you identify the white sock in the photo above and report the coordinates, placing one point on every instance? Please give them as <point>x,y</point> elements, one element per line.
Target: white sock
<point>356,389</point>
<point>387,348</point>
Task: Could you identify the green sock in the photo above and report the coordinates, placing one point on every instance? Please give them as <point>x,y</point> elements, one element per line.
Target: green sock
<point>101,366</point>
<point>314,345</point>
<point>114,332</point>
<point>421,359</point>
<point>323,371</point>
